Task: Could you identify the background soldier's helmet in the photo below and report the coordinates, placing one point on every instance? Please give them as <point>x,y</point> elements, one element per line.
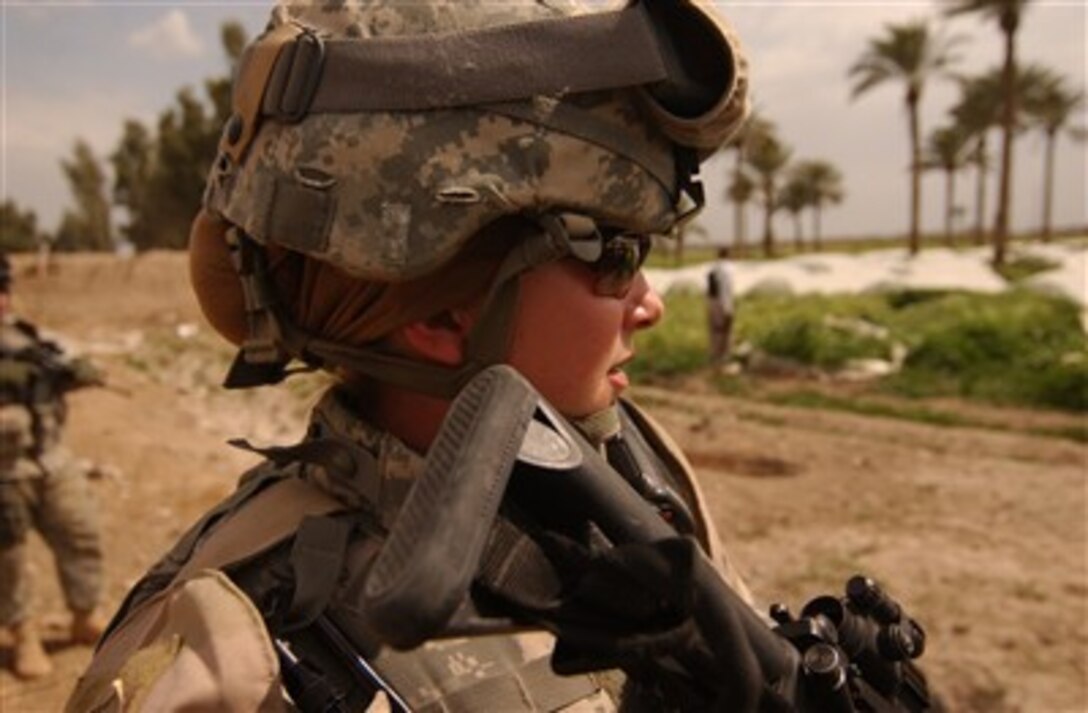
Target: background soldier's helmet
<point>380,135</point>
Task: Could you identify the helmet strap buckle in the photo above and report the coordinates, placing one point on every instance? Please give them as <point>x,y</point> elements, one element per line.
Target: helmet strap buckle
<point>260,359</point>
<point>692,194</point>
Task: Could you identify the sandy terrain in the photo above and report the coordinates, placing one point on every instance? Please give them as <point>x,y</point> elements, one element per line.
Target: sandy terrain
<point>980,533</point>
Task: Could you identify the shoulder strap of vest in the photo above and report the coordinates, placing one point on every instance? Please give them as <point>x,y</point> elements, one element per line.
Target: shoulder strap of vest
<point>684,480</point>
<point>237,528</point>
<point>267,518</point>
<point>650,440</point>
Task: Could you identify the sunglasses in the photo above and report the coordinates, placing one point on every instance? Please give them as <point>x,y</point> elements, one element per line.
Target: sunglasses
<point>615,261</point>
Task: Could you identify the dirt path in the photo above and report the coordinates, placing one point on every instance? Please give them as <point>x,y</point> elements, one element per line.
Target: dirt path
<point>982,534</point>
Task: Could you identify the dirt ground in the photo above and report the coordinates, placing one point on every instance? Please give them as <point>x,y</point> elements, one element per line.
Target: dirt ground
<point>981,534</point>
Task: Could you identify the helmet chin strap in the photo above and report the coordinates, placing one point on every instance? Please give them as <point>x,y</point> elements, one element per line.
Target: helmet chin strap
<point>273,339</point>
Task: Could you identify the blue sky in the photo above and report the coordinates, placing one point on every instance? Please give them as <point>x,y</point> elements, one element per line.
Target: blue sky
<point>78,68</point>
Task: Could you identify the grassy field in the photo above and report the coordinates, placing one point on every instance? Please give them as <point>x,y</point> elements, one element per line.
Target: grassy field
<point>1016,349</point>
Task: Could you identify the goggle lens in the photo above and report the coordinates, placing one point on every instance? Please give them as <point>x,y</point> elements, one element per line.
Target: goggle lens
<point>621,259</point>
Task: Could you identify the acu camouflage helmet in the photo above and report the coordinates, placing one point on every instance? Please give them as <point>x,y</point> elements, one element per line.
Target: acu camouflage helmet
<point>379,135</point>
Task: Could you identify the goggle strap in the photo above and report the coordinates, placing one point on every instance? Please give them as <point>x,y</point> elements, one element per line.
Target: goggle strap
<point>550,57</point>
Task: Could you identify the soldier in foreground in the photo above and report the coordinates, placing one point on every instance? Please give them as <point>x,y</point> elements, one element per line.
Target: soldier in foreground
<point>42,487</point>
<point>447,206</point>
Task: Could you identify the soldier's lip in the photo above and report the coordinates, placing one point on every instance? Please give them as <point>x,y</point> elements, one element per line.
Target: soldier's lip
<point>617,376</point>
<point>618,379</point>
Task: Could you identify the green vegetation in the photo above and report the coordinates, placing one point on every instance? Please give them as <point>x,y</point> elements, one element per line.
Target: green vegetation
<point>1016,348</point>
<point>1024,266</point>
<point>20,228</point>
<point>1013,348</point>
<point>817,330</point>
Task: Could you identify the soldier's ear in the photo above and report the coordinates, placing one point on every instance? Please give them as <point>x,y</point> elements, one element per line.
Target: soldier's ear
<point>440,339</point>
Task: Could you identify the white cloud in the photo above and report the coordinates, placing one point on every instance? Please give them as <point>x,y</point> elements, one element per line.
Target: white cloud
<point>169,37</point>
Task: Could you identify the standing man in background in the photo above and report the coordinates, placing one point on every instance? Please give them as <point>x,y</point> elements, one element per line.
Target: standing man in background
<point>42,487</point>
<point>720,308</point>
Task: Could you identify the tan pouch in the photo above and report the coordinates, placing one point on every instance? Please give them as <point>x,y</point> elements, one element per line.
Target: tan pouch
<point>198,645</point>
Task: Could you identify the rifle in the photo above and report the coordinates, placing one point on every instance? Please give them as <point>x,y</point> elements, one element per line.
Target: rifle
<point>39,373</point>
<point>502,441</point>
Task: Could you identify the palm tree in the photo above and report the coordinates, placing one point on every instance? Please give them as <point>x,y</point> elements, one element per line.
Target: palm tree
<point>978,111</point>
<point>1007,14</point>
<point>823,184</point>
<point>912,54</point>
<point>1050,105</point>
<point>741,188</point>
<point>948,150</point>
<point>740,191</point>
<point>795,197</point>
<point>767,156</point>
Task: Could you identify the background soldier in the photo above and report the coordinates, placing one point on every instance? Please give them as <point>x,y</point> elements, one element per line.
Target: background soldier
<point>41,486</point>
<point>720,308</point>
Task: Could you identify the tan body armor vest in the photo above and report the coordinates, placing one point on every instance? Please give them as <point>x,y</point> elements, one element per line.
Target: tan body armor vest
<point>291,545</point>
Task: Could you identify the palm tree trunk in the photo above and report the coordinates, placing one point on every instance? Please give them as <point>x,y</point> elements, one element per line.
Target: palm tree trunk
<point>768,220</point>
<point>739,208</point>
<point>798,239</point>
<point>1048,184</point>
<point>817,238</point>
<point>768,231</point>
<point>1008,125</point>
<point>980,192</point>
<point>949,203</point>
<point>952,208</point>
<point>915,173</point>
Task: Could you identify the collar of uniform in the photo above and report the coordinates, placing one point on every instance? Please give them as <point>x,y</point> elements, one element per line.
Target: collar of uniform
<point>398,465</point>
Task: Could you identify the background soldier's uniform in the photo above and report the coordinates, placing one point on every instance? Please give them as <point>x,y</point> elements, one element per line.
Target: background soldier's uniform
<point>721,311</point>
<point>41,485</point>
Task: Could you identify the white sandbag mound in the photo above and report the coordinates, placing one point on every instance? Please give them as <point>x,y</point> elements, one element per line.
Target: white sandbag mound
<point>1070,280</point>
<point>932,269</point>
